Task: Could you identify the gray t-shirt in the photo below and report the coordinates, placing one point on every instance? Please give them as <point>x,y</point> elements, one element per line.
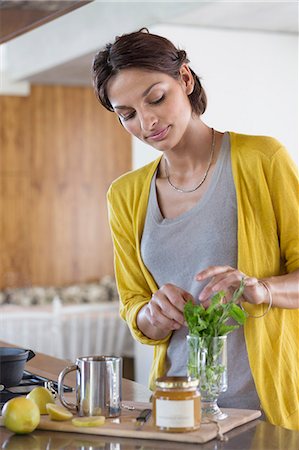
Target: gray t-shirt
<point>175,250</point>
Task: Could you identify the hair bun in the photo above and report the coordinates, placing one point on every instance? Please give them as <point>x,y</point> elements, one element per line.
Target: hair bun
<point>182,56</point>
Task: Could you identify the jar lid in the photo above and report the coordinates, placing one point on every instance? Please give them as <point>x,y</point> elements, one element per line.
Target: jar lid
<point>176,382</point>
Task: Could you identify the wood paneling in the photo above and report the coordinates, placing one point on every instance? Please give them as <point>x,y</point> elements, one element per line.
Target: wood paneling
<point>14,233</point>
<point>14,135</point>
<point>60,150</point>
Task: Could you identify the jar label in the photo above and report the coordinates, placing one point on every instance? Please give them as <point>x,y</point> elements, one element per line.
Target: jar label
<point>175,413</point>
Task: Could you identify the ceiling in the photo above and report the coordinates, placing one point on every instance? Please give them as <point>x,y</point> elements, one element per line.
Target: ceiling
<point>267,16</point>
<point>20,16</point>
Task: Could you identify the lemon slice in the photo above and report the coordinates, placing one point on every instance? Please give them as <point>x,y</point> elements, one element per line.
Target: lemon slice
<point>57,412</point>
<point>93,421</point>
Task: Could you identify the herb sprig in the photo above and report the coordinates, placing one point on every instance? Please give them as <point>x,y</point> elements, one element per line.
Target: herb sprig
<point>211,322</point>
<point>207,324</point>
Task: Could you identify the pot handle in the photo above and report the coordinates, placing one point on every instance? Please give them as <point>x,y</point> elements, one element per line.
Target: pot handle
<point>31,354</point>
<point>62,374</point>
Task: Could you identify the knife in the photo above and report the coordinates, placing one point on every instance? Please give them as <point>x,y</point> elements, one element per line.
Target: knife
<point>142,418</point>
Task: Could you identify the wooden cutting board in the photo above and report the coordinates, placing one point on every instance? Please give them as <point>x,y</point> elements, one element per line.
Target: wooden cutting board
<point>125,426</point>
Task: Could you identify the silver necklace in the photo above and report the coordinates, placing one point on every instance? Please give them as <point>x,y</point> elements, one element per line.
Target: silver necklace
<point>186,191</point>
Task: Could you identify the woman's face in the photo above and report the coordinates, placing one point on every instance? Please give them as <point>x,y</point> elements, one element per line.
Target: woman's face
<point>152,106</point>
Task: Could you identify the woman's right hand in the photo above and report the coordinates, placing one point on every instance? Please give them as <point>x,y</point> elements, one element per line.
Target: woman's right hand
<point>164,312</point>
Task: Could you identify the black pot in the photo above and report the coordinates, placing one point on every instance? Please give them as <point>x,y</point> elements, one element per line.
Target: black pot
<point>12,363</point>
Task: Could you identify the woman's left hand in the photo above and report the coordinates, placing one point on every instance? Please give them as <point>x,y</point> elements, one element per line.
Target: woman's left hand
<point>226,278</point>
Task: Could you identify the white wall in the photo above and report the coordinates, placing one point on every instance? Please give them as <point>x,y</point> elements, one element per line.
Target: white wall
<point>251,80</point>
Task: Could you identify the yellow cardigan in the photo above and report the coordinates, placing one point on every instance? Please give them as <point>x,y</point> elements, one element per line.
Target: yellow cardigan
<point>267,197</point>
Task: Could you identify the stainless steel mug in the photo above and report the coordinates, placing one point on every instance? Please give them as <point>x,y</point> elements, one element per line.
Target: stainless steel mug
<point>98,386</point>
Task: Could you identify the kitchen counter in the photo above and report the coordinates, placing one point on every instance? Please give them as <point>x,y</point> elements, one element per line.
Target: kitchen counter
<point>255,435</point>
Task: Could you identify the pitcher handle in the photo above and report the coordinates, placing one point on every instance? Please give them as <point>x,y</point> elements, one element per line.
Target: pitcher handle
<point>31,354</point>
<point>62,374</point>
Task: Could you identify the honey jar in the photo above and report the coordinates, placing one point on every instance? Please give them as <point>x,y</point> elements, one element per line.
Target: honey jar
<point>176,404</point>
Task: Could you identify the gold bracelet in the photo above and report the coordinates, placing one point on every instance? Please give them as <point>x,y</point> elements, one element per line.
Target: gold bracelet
<point>266,286</point>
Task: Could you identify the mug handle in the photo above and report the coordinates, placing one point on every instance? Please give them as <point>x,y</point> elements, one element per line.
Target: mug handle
<point>62,374</point>
<point>31,354</point>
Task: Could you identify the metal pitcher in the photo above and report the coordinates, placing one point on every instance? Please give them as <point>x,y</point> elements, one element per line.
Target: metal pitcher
<point>98,386</point>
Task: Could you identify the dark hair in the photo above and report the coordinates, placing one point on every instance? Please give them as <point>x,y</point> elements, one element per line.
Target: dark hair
<point>142,49</point>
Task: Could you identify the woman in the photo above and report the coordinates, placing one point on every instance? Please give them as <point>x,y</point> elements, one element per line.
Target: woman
<point>214,208</point>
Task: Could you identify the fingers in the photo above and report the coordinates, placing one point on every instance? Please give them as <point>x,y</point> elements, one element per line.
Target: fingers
<point>165,309</point>
<point>176,296</point>
<point>226,278</point>
<point>159,320</point>
<point>222,282</point>
<point>161,304</point>
<point>250,281</point>
<point>212,271</point>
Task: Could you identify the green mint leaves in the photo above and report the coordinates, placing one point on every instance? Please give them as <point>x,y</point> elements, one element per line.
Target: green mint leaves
<point>211,322</point>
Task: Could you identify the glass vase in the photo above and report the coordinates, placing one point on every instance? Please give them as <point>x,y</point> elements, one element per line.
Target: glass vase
<point>207,361</point>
